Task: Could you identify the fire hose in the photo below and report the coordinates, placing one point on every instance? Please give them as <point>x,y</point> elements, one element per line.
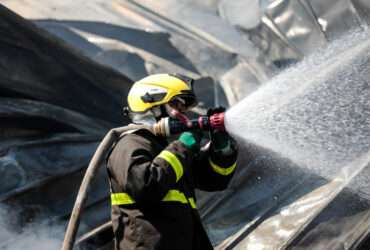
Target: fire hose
<point>165,127</point>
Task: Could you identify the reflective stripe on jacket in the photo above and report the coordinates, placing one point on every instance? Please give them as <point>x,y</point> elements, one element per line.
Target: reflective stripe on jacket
<point>171,196</point>
<point>153,197</point>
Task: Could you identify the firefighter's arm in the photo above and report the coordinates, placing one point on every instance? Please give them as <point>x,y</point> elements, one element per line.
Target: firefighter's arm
<point>146,177</point>
<point>216,165</point>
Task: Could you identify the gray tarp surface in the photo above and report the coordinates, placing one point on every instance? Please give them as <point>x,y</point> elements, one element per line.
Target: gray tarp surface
<point>58,100</point>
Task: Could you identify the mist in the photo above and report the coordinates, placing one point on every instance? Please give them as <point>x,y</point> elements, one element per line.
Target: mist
<point>36,235</point>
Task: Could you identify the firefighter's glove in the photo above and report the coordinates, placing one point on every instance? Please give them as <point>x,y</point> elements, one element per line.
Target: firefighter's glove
<point>191,140</point>
<point>222,142</point>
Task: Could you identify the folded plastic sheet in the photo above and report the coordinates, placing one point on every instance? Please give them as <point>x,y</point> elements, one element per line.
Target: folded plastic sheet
<point>202,23</point>
<point>55,106</point>
<point>288,30</point>
<point>335,17</point>
<point>272,202</point>
<point>119,47</point>
<point>108,37</point>
<point>344,223</point>
<point>46,72</point>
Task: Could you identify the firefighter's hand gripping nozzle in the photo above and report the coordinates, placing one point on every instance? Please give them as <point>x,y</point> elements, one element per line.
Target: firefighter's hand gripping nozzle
<point>170,126</point>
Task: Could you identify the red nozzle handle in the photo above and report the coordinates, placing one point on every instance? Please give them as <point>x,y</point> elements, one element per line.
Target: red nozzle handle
<point>217,121</point>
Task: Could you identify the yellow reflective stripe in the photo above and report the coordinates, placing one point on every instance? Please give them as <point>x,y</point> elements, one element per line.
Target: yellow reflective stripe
<point>174,162</point>
<point>192,203</point>
<point>175,195</point>
<point>221,170</point>
<point>121,199</point>
<point>172,195</point>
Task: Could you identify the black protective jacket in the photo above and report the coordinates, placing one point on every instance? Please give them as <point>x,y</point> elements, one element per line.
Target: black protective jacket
<point>153,198</point>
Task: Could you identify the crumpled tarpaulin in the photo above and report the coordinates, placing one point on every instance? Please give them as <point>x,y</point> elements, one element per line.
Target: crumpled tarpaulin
<point>55,106</point>
<point>58,101</point>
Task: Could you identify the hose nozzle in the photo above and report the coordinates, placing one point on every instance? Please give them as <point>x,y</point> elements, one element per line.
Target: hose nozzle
<point>217,121</point>
<point>170,126</point>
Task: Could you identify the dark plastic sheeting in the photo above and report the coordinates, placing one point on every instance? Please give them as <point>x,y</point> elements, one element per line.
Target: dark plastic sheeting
<point>67,102</point>
<point>55,106</point>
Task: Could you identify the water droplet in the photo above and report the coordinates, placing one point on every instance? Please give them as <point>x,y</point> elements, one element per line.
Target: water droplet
<point>259,178</point>
<point>276,197</point>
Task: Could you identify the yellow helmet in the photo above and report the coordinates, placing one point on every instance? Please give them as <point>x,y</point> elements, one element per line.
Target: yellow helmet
<point>159,89</point>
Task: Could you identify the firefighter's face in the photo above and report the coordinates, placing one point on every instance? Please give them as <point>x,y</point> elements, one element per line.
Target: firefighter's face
<point>178,106</point>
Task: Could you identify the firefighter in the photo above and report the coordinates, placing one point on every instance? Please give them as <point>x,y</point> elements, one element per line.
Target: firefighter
<point>153,181</point>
